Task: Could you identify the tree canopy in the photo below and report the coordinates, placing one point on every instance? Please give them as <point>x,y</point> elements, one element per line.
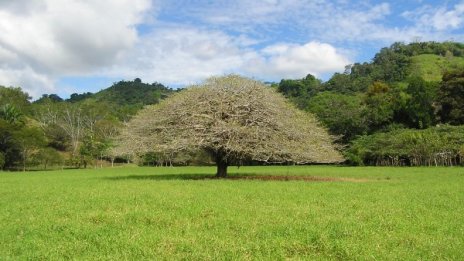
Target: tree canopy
<point>235,120</point>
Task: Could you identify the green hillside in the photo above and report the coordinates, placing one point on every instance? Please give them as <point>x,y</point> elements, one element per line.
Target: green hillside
<point>431,67</point>
<point>133,92</point>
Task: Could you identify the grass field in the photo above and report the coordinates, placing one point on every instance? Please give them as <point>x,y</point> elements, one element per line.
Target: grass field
<point>168,213</point>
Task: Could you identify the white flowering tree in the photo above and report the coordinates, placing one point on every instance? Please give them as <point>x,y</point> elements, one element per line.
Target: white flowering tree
<point>234,119</point>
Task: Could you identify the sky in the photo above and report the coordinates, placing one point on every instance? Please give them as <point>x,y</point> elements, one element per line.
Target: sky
<point>75,46</point>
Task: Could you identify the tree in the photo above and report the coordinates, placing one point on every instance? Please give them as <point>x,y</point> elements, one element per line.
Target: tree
<point>16,97</point>
<point>9,146</point>
<point>419,106</point>
<point>451,98</point>
<point>379,105</point>
<point>30,141</point>
<point>235,120</point>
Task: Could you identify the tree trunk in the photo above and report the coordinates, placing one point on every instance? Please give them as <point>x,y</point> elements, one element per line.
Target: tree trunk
<point>221,169</point>
<point>220,158</point>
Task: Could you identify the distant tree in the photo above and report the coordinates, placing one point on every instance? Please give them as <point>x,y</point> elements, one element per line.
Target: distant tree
<point>49,97</point>
<point>451,98</point>
<point>131,93</point>
<point>419,106</point>
<point>390,65</point>
<point>75,97</point>
<point>48,156</point>
<point>8,144</point>
<point>379,110</point>
<point>300,91</point>
<point>30,141</point>
<point>235,120</point>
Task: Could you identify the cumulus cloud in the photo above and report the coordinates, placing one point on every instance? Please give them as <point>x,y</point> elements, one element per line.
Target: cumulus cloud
<point>295,61</point>
<point>35,83</point>
<point>189,55</point>
<point>50,38</point>
<point>178,55</point>
<point>182,42</point>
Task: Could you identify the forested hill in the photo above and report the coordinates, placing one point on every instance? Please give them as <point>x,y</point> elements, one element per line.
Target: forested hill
<point>122,93</point>
<point>133,92</point>
<point>403,92</point>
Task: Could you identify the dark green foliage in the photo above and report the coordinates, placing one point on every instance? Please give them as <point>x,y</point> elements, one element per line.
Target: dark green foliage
<point>442,49</point>
<point>51,97</point>
<point>441,146</point>
<point>2,160</point>
<point>347,83</point>
<point>92,149</point>
<point>390,65</point>
<point>30,140</point>
<point>451,98</point>
<point>379,105</point>
<point>57,137</point>
<point>48,156</point>
<point>419,106</point>
<point>342,114</point>
<point>133,92</point>
<point>300,91</point>
<point>9,147</point>
<point>75,97</point>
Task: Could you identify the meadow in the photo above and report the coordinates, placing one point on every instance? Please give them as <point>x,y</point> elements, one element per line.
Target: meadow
<point>179,213</point>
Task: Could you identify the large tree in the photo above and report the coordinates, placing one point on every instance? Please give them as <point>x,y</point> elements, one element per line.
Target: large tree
<point>451,98</point>
<point>235,120</point>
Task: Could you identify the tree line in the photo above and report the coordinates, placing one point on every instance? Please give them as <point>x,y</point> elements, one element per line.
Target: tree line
<point>71,133</point>
<point>374,102</point>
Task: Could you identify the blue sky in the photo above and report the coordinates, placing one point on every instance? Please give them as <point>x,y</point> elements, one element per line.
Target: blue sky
<point>67,46</point>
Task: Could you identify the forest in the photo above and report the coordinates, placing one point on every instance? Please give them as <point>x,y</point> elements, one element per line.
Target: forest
<point>403,108</point>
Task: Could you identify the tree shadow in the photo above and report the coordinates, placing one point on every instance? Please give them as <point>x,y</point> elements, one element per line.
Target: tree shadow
<point>249,176</point>
<point>165,177</point>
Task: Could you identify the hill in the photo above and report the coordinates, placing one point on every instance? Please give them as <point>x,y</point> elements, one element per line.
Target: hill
<point>133,92</point>
<point>124,93</point>
<point>405,86</point>
<point>431,67</point>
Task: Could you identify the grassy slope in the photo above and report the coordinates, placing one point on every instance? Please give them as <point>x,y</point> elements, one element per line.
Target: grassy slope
<point>148,213</point>
<point>431,67</point>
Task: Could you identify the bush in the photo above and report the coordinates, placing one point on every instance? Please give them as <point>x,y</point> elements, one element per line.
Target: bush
<point>437,146</point>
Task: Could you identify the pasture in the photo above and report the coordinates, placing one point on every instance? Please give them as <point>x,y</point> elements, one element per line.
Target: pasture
<point>179,213</point>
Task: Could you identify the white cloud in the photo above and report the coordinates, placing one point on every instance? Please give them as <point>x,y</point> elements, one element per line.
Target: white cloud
<point>36,83</point>
<point>182,55</point>
<point>52,38</point>
<point>295,61</point>
<point>438,18</point>
<point>189,55</point>
<point>445,19</point>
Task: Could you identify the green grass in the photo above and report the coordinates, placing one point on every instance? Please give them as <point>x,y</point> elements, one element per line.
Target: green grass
<point>165,213</point>
<point>432,67</point>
